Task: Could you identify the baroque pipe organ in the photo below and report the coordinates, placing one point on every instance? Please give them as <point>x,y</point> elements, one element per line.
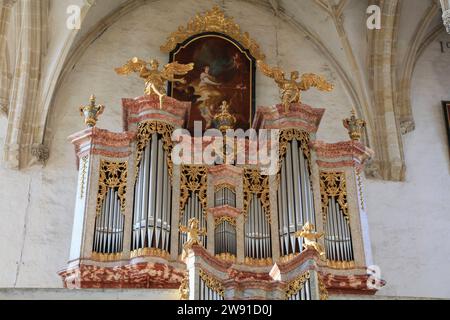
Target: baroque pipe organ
<point>218,231</point>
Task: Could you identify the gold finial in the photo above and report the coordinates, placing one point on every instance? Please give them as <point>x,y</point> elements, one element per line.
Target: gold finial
<point>194,232</point>
<point>91,112</point>
<point>310,238</point>
<point>224,120</point>
<point>354,126</point>
<point>155,79</point>
<point>290,89</point>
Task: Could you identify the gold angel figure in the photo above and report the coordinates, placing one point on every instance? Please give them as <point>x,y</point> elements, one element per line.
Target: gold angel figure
<point>290,89</point>
<point>194,232</point>
<point>310,238</point>
<point>155,79</point>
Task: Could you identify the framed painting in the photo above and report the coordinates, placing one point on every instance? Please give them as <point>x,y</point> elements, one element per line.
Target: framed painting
<point>224,71</point>
<point>446,106</point>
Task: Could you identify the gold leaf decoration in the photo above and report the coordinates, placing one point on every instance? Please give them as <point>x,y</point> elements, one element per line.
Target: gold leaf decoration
<point>333,184</point>
<point>296,285</point>
<point>212,283</point>
<point>193,179</point>
<point>112,175</point>
<point>255,183</point>
<point>213,21</point>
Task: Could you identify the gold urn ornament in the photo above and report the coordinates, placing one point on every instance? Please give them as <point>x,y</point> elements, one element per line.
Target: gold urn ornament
<point>224,120</point>
<point>91,112</point>
<point>354,126</point>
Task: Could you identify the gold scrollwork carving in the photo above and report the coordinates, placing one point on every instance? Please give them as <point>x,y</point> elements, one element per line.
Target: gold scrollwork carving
<point>112,175</point>
<point>183,290</point>
<point>287,135</point>
<point>212,283</point>
<point>296,285</point>
<point>193,179</point>
<point>255,183</point>
<point>228,219</point>
<point>213,21</point>
<point>144,135</point>
<point>333,184</point>
<point>227,257</point>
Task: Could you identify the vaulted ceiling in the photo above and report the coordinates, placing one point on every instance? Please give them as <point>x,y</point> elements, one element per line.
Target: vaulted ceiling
<point>375,66</point>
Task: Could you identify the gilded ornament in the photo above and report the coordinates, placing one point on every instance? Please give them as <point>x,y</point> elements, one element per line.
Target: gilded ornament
<point>224,120</point>
<point>323,292</point>
<point>255,183</point>
<point>91,112</point>
<point>354,126</point>
<point>343,265</point>
<point>193,179</point>
<point>144,135</point>
<point>212,21</point>
<point>155,79</point>
<point>310,237</point>
<point>333,184</point>
<point>83,173</point>
<point>150,252</point>
<point>223,186</point>
<point>258,262</point>
<point>228,219</point>
<point>106,257</point>
<point>184,288</point>
<point>290,89</point>
<point>212,283</point>
<point>194,232</point>
<point>227,257</point>
<point>296,285</point>
<point>112,175</point>
<point>287,136</point>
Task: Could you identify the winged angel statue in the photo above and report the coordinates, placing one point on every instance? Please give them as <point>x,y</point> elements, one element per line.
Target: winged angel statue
<point>290,89</point>
<point>155,79</point>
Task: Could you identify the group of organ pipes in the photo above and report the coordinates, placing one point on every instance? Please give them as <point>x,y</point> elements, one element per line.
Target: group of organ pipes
<point>145,205</point>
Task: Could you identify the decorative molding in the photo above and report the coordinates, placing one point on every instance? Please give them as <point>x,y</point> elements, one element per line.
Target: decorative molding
<point>213,21</point>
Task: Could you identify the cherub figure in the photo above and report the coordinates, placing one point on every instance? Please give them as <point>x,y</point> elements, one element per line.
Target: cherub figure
<point>290,89</point>
<point>194,232</point>
<point>310,238</point>
<point>155,79</point>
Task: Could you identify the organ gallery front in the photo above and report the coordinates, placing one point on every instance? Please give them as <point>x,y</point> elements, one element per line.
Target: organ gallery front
<point>206,193</point>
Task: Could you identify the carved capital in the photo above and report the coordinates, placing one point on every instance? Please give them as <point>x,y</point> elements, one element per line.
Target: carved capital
<point>8,3</point>
<point>40,152</point>
<point>407,126</point>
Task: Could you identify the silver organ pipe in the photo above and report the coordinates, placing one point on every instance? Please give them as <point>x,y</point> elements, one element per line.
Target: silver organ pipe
<point>258,243</point>
<point>109,225</point>
<point>224,196</point>
<point>338,241</point>
<point>192,209</point>
<point>294,198</point>
<point>152,208</point>
<point>225,238</point>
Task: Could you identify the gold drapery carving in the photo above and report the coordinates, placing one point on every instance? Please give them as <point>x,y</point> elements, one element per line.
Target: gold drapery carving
<point>144,135</point>
<point>193,179</point>
<point>255,183</point>
<point>212,283</point>
<point>296,285</point>
<point>112,175</point>
<point>213,21</point>
<point>333,184</point>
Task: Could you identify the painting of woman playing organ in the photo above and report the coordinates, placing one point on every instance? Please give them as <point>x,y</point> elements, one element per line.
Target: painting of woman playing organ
<point>223,71</point>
